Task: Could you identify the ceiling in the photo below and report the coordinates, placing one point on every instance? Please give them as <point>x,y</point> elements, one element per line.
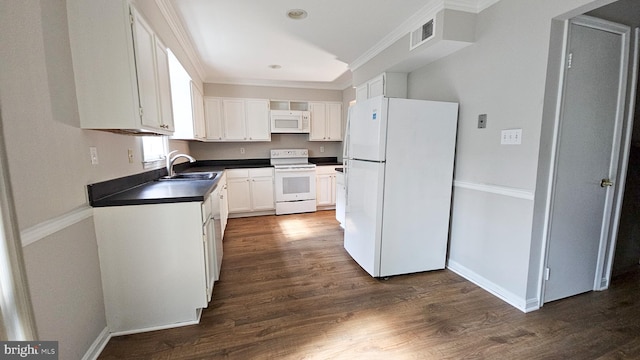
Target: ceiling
<point>236,42</point>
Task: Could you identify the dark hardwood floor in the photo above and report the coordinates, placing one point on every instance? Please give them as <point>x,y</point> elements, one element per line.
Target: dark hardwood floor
<point>288,290</point>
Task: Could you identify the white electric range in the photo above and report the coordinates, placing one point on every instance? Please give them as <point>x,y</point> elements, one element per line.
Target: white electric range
<point>295,181</point>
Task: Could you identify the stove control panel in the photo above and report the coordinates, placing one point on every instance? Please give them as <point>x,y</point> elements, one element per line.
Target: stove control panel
<point>289,153</point>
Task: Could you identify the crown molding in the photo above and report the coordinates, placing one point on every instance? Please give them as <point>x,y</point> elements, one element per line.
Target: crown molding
<point>171,16</point>
<point>283,83</point>
<point>428,12</point>
<point>483,4</point>
<point>462,5</point>
<point>419,18</point>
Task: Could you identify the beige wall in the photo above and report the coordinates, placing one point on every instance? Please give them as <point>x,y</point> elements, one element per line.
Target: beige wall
<point>260,150</point>
<point>503,74</point>
<point>271,92</point>
<point>50,167</point>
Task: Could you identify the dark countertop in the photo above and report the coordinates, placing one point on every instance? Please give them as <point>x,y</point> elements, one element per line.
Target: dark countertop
<point>144,188</point>
<point>325,161</point>
<point>141,189</point>
<point>161,192</point>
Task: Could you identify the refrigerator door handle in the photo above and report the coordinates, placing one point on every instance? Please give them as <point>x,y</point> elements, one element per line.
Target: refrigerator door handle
<point>345,147</point>
<point>345,168</point>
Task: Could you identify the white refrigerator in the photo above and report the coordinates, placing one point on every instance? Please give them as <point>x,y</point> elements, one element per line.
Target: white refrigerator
<point>399,175</point>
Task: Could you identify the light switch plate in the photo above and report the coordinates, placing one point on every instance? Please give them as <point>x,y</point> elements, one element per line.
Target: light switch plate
<point>93,153</point>
<point>511,137</point>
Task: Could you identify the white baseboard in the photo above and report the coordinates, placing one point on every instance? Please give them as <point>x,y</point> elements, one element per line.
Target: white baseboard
<point>250,214</point>
<point>495,289</point>
<point>98,345</point>
<point>155,328</point>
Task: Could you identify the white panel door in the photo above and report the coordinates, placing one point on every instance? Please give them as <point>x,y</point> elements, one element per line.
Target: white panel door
<point>258,126</point>
<point>324,190</point>
<point>363,225</point>
<point>213,118</point>
<point>234,119</point>
<point>164,86</point>
<point>334,121</point>
<point>197,105</point>
<point>262,193</point>
<point>146,71</point>
<point>318,121</point>
<point>238,194</point>
<point>588,150</point>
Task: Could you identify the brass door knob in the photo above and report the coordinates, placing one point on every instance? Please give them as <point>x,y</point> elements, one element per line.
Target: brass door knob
<point>606,183</point>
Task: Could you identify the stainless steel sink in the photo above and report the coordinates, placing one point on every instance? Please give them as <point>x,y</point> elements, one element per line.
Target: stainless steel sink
<point>191,176</point>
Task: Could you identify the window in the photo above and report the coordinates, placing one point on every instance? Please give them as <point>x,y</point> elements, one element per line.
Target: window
<point>154,149</point>
<point>180,99</point>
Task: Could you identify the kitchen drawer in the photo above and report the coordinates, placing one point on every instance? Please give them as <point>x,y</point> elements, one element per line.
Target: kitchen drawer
<point>261,172</point>
<point>327,170</point>
<point>237,173</point>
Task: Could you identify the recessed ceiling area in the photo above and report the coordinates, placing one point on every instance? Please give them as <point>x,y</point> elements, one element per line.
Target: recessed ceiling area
<point>240,41</point>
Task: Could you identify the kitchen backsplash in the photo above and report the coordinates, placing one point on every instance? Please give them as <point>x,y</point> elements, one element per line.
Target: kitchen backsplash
<point>261,150</point>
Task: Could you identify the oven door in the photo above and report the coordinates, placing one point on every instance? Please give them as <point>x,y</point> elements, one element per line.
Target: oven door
<point>295,183</point>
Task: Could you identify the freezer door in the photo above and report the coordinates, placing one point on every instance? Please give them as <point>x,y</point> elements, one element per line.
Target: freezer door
<point>363,225</point>
<point>368,129</point>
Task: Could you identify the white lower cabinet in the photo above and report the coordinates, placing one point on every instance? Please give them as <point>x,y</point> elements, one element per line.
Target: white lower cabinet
<point>158,263</point>
<point>224,204</point>
<point>250,190</point>
<point>326,186</point>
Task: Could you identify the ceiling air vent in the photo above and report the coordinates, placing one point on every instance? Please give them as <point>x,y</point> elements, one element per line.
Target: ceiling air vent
<point>421,34</point>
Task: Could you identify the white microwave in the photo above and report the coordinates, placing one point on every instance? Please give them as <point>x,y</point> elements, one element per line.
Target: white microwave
<point>290,121</point>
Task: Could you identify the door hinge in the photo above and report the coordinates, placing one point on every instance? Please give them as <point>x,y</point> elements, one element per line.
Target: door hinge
<point>547,273</point>
<point>131,19</point>
<point>141,111</point>
<point>569,60</point>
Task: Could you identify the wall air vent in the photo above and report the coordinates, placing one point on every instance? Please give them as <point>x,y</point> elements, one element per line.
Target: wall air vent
<point>422,34</point>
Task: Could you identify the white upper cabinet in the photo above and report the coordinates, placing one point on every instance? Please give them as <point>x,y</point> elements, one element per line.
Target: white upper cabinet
<point>231,119</point>
<point>393,85</point>
<point>258,127</point>
<point>187,103</point>
<point>213,118</point>
<point>233,111</point>
<point>326,121</point>
<point>197,105</point>
<point>120,68</point>
<point>165,116</point>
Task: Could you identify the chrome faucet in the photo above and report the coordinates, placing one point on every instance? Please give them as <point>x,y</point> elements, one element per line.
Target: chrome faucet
<point>170,160</point>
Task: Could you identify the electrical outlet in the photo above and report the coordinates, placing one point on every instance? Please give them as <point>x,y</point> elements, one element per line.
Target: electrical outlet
<point>130,155</point>
<point>241,150</point>
<point>93,153</point>
<point>511,137</point>
<point>321,149</point>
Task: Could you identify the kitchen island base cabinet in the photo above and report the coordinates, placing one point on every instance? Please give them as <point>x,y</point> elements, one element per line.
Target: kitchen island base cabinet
<point>152,260</point>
